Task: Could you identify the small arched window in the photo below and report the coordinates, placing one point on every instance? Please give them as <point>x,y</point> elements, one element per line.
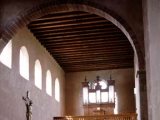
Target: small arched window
<point>57,90</point>
<point>49,83</point>
<point>38,74</point>
<point>24,63</point>
<point>6,55</point>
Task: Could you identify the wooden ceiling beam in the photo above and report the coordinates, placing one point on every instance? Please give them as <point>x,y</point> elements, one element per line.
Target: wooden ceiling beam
<point>90,51</point>
<point>84,44</point>
<point>79,32</point>
<point>96,68</point>
<point>93,33</point>
<point>70,41</point>
<point>89,48</point>
<point>71,66</point>
<point>65,21</point>
<point>86,38</point>
<point>75,29</point>
<point>89,44</point>
<point>61,15</point>
<point>89,54</point>
<point>59,18</point>
<point>69,24</point>
<point>104,61</point>
<point>105,35</point>
<point>89,23</point>
<point>92,57</point>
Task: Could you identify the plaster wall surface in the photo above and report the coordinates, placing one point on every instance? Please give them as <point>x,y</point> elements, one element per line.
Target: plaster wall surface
<point>152,50</point>
<point>13,86</point>
<point>124,82</point>
<point>137,87</point>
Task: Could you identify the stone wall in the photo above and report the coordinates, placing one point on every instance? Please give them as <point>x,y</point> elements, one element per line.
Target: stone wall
<point>124,79</point>
<point>13,86</point>
<point>152,50</point>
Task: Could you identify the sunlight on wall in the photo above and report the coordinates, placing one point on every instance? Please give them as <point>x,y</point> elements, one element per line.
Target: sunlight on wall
<point>48,83</point>
<point>116,104</point>
<point>24,63</point>
<point>6,55</point>
<point>38,74</point>
<point>57,90</point>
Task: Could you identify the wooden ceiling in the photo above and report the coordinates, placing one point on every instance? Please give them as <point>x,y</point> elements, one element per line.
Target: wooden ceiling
<point>81,41</point>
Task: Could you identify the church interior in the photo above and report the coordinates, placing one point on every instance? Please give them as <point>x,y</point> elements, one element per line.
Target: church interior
<point>79,60</point>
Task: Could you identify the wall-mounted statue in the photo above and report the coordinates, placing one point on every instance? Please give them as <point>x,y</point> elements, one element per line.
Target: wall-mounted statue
<point>28,103</point>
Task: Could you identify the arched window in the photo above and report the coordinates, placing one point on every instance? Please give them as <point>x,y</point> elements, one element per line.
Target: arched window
<point>57,90</point>
<point>6,55</point>
<point>24,63</point>
<point>49,83</point>
<point>38,74</point>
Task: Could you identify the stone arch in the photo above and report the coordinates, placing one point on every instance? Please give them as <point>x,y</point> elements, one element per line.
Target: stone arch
<point>42,9</point>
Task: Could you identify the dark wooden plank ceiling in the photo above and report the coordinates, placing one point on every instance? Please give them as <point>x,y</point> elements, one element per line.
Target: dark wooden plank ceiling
<point>81,41</point>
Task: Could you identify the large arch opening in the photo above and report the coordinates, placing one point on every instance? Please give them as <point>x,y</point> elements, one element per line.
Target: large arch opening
<point>39,12</point>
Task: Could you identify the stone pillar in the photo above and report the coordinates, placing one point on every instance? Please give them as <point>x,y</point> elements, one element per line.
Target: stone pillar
<point>143,94</point>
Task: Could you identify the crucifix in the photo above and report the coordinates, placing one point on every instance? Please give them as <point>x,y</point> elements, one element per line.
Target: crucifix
<point>28,103</point>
